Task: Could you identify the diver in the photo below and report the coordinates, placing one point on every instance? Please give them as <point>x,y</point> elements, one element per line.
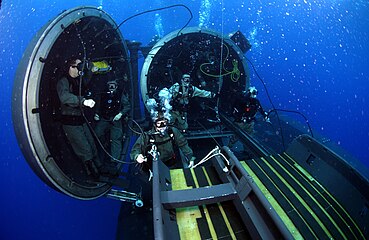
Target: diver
<point>245,108</point>
<point>71,89</point>
<point>112,106</point>
<point>181,93</point>
<point>167,139</point>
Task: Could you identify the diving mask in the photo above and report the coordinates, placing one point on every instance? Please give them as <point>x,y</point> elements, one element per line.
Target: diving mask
<point>161,126</point>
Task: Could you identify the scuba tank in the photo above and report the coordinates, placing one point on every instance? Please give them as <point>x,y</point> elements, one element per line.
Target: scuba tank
<point>98,67</point>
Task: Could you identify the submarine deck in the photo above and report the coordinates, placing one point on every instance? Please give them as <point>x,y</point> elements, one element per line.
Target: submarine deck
<point>304,206</point>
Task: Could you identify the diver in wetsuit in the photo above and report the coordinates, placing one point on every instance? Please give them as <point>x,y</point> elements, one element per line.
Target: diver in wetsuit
<point>112,107</point>
<point>74,125</point>
<point>166,139</point>
<point>245,108</point>
<point>181,93</point>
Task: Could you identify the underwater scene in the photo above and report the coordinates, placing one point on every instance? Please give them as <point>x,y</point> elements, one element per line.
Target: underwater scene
<point>304,64</point>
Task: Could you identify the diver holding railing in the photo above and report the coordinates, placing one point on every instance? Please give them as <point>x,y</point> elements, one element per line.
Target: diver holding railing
<point>165,137</point>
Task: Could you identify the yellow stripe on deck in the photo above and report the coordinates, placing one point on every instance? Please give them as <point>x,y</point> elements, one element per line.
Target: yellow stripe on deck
<point>206,212</point>
<point>302,172</point>
<point>186,217</point>
<point>302,200</point>
<point>282,214</point>
<point>221,209</point>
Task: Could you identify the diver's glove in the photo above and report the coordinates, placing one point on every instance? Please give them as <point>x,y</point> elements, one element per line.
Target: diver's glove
<point>96,117</point>
<point>88,103</point>
<point>191,162</point>
<point>214,95</point>
<point>117,117</point>
<point>141,158</point>
<point>266,118</point>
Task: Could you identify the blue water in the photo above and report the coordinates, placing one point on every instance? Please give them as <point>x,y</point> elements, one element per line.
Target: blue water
<point>313,56</point>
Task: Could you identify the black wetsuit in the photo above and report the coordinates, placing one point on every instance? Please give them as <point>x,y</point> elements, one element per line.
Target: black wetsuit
<point>245,108</point>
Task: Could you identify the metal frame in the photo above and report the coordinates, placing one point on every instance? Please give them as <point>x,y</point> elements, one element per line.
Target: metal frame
<point>236,188</point>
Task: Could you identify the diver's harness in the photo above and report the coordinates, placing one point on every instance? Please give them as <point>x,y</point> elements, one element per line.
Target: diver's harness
<point>110,104</point>
<point>152,150</point>
<point>241,118</point>
<point>74,120</point>
<point>152,139</point>
<point>247,112</point>
<point>154,142</point>
<point>176,103</point>
<point>74,85</point>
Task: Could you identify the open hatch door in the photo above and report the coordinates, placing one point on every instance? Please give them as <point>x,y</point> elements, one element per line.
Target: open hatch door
<point>93,34</point>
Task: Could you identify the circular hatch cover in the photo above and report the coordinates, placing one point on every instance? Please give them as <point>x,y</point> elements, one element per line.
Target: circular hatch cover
<point>214,62</point>
<point>89,34</point>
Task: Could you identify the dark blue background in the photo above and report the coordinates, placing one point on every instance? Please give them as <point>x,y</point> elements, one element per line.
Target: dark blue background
<point>313,56</point>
